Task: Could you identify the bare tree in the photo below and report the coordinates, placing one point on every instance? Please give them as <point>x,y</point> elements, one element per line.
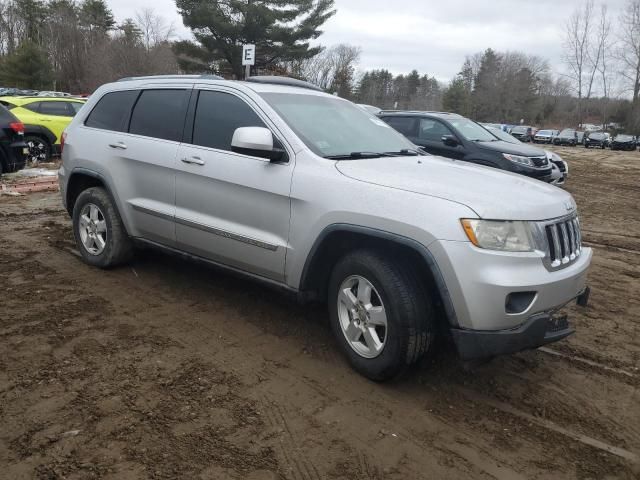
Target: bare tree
<point>605,48</point>
<point>332,69</point>
<point>579,57</point>
<point>154,28</point>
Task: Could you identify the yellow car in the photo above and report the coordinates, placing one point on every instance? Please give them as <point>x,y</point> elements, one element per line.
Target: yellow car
<point>44,118</point>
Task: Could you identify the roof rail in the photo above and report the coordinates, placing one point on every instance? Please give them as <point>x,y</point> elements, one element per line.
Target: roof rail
<point>173,77</point>
<point>288,81</point>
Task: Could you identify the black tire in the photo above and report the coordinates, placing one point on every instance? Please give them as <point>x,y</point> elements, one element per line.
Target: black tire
<point>411,320</point>
<point>39,149</point>
<point>118,248</point>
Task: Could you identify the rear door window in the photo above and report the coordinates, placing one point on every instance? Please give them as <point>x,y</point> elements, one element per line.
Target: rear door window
<point>58,109</point>
<point>218,115</point>
<point>404,125</point>
<point>160,114</point>
<point>112,111</point>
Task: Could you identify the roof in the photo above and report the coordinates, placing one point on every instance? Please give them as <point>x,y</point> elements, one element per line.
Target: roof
<point>258,83</point>
<point>420,113</point>
<point>21,100</point>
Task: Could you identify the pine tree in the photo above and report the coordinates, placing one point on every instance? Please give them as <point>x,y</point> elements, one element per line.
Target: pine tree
<point>27,67</point>
<point>280,29</point>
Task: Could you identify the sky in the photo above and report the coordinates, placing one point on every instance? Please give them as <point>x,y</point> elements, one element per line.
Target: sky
<point>431,36</point>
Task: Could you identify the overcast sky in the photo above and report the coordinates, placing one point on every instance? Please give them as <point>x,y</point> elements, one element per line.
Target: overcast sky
<point>431,36</point>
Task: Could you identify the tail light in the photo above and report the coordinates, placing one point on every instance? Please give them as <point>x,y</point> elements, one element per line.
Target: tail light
<point>63,138</point>
<point>17,127</point>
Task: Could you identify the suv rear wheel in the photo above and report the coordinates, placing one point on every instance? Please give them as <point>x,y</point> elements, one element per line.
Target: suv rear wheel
<point>380,313</point>
<point>39,149</point>
<point>100,235</point>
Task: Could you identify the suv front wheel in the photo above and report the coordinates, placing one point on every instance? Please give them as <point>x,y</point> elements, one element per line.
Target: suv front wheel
<point>100,235</point>
<point>381,315</point>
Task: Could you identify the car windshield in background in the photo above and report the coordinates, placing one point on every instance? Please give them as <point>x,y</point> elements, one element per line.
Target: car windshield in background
<point>567,133</point>
<point>545,132</point>
<point>519,130</point>
<point>504,136</point>
<point>624,138</point>
<point>332,127</point>
<point>472,131</point>
<point>597,136</point>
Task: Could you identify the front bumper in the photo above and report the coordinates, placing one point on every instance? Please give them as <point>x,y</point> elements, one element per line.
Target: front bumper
<point>540,329</point>
<point>480,284</point>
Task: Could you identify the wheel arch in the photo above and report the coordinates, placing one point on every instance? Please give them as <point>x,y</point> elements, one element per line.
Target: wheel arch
<point>42,132</point>
<point>80,180</point>
<point>338,239</point>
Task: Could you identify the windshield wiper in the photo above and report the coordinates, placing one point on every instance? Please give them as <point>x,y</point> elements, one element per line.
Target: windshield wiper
<point>407,152</point>
<point>358,155</point>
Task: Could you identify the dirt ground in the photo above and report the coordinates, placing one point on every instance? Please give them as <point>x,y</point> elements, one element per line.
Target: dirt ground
<point>166,369</point>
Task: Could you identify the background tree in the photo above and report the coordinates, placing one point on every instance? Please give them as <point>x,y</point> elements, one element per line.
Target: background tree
<point>280,29</point>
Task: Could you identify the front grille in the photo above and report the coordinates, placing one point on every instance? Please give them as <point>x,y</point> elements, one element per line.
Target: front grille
<point>564,241</point>
<point>539,161</point>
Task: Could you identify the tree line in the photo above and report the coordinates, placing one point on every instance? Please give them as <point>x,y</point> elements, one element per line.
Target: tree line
<point>76,45</point>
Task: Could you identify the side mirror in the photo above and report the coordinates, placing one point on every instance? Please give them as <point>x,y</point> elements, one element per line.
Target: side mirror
<point>450,141</point>
<point>256,142</point>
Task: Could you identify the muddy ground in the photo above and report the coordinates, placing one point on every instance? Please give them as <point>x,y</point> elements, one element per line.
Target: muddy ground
<point>166,369</point>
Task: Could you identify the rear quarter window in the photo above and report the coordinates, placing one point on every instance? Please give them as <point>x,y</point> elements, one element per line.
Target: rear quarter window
<point>404,125</point>
<point>112,111</point>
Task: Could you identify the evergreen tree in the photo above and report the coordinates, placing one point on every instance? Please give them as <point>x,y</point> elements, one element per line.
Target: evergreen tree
<point>486,92</point>
<point>280,29</point>
<point>27,67</point>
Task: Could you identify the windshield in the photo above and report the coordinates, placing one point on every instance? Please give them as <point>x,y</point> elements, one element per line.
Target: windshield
<point>624,138</point>
<point>330,126</point>
<point>568,133</point>
<point>596,136</point>
<point>545,132</point>
<point>504,136</point>
<point>472,131</point>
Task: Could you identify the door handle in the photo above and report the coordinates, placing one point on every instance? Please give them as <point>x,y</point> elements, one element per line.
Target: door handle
<point>192,160</point>
<point>119,145</point>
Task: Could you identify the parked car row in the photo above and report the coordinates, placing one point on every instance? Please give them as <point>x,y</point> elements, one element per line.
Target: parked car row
<point>22,92</point>
<point>44,120</point>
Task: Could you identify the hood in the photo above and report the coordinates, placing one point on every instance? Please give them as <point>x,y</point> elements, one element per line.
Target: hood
<point>513,148</point>
<point>491,193</point>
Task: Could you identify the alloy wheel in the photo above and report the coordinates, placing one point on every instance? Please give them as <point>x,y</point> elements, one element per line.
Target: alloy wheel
<point>93,229</point>
<point>362,316</point>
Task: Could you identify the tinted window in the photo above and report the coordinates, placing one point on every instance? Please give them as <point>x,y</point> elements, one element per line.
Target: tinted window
<point>217,117</point>
<point>7,104</point>
<point>405,125</point>
<point>60,109</point>
<point>75,107</point>
<point>160,114</point>
<point>432,130</point>
<point>112,111</point>
<point>34,107</point>
<point>6,116</point>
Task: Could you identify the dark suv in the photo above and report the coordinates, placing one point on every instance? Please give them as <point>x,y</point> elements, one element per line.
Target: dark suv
<point>453,136</point>
<point>12,147</point>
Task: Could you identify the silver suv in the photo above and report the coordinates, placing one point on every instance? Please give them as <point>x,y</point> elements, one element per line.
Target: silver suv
<point>310,193</point>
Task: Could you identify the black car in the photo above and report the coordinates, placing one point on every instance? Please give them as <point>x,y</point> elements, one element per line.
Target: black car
<point>597,139</point>
<point>523,133</point>
<point>624,142</point>
<point>568,136</point>
<point>13,150</point>
<point>453,136</point>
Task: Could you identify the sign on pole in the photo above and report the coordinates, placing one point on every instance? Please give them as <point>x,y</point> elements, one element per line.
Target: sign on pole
<point>248,58</point>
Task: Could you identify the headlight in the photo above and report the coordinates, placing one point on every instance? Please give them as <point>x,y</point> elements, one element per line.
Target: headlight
<point>518,159</point>
<point>508,236</point>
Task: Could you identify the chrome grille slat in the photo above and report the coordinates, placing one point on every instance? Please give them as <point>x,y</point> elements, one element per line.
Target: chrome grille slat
<point>564,242</point>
